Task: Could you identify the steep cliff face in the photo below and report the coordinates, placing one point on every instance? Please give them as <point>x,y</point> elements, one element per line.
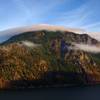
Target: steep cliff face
<point>45,58</point>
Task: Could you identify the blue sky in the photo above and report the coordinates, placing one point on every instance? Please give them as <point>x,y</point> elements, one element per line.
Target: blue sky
<point>83,14</point>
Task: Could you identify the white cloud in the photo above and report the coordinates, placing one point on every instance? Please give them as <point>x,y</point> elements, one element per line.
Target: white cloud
<point>30,44</point>
<point>87,48</point>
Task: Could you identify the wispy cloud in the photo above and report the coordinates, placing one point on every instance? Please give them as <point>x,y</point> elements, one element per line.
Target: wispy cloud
<point>80,17</point>
<point>82,14</point>
<point>93,27</point>
<point>87,48</point>
<point>76,17</point>
<point>30,44</point>
<point>37,11</point>
<point>58,12</point>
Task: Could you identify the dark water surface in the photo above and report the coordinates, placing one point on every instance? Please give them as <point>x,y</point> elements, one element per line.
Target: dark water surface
<point>69,93</point>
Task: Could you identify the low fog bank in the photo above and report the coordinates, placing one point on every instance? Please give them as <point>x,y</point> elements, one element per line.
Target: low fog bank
<point>87,48</point>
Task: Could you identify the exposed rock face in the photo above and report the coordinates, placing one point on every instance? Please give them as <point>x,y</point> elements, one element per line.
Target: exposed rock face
<point>52,62</point>
<point>82,38</point>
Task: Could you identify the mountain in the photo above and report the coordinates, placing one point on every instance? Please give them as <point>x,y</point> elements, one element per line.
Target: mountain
<point>48,58</point>
<point>4,35</point>
<point>36,36</point>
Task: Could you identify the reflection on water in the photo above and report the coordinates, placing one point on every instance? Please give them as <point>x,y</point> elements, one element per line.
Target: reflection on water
<point>71,93</point>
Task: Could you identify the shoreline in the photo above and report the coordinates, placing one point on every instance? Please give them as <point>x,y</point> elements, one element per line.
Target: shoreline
<point>48,87</point>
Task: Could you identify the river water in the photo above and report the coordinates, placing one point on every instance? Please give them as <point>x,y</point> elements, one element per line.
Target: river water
<point>69,93</point>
